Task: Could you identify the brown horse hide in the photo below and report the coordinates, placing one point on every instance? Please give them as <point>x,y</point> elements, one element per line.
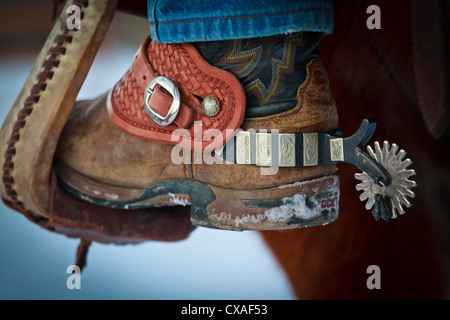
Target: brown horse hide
<point>372,74</point>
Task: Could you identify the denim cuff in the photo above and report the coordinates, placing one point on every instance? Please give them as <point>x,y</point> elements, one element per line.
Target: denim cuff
<point>209,20</point>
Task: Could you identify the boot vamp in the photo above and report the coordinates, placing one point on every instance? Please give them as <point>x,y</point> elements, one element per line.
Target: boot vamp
<point>93,146</point>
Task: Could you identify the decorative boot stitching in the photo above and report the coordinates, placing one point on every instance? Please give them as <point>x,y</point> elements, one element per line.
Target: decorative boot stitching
<point>242,62</point>
<point>246,60</point>
<point>41,83</point>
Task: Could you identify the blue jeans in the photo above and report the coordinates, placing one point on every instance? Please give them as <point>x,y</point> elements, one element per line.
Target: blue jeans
<point>207,20</point>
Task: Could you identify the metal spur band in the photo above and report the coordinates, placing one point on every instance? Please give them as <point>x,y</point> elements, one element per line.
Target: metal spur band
<point>385,178</point>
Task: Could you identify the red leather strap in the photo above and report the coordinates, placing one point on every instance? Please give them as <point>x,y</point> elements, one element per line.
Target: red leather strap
<point>160,101</point>
<point>195,80</point>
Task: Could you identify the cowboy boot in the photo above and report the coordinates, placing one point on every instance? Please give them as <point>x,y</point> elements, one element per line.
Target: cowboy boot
<point>157,138</point>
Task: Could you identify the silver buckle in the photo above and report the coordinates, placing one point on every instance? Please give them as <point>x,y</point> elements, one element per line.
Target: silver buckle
<point>175,106</point>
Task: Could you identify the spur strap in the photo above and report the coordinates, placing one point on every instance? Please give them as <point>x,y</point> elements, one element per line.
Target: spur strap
<point>172,95</point>
<point>275,149</point>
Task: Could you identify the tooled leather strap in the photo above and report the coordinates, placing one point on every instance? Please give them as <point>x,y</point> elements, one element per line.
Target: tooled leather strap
<point>194,80</point>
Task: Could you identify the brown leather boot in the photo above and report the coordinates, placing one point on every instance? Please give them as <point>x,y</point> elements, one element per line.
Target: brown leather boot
<point>157,137</point>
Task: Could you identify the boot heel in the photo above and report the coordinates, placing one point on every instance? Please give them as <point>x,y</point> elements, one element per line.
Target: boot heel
<point>301,204</point>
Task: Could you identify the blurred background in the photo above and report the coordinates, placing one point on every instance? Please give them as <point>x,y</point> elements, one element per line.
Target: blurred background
<point>210,264</point>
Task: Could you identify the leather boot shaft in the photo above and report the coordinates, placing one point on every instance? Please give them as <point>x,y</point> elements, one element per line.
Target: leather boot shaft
<point>270,69</point>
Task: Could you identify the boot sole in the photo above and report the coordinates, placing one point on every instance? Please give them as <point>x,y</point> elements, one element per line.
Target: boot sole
<point>30,132</point>
<point>306,203</point>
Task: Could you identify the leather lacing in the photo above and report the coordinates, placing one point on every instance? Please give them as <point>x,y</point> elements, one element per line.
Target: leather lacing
<point>42,79</point>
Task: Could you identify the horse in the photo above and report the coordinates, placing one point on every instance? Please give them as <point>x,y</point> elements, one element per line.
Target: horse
<point>374,72</point>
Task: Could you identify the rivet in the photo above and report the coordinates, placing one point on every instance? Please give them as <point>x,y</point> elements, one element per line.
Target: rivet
<point>210,106</point>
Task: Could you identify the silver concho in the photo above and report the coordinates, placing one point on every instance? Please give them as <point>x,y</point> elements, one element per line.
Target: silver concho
<point>210,106</point>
